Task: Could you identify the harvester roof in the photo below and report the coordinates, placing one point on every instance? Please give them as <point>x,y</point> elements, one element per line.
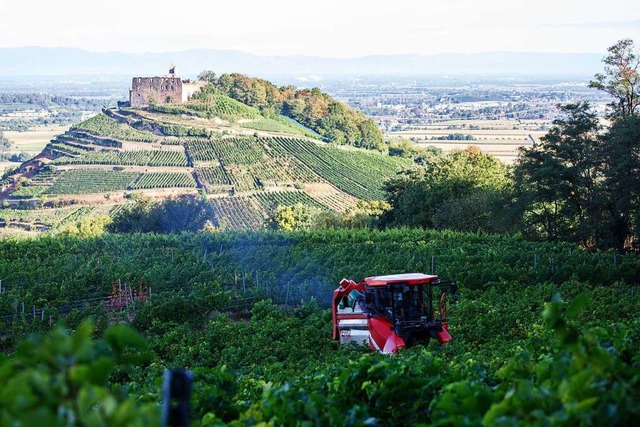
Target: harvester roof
<point>407,278</point>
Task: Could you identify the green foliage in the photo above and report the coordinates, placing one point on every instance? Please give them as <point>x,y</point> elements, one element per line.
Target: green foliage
<point>555,181</point>
<point>174,215</point>
<point>409,150</point>
<point>621,186</point>
<point>361,215</point>
<point>293,217</point>
<point>460,191</point>
<point>88,226</point>
<point>61,380</point>
<point>579,184</point>
<point>506,364</point>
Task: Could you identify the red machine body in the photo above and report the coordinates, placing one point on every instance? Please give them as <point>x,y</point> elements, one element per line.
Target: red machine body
<point>391,312</point>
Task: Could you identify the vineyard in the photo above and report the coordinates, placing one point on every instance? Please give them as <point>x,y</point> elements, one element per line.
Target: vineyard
<point>163,180</point>
<point>84,181</point>
<point>251,162</point>
<point>280,125</point>
<point>128,158</point>
<point>217,105</point>
<point>110,153</point>
<point>107,126</point>
<point>54,218</point>
<point>214,175</point>
<point>235,213</point>
<point>540,330</point>
<point>357,173</point>
<point>272,199</point>
<point>251,212</point>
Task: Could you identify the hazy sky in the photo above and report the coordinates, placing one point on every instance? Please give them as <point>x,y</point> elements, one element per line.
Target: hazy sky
<point>324,28</point>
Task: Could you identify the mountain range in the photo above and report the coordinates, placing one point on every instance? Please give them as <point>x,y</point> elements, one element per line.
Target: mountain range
<point>43,61</point>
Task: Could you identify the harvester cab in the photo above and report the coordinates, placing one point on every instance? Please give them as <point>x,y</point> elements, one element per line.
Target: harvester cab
<point>391,312</point>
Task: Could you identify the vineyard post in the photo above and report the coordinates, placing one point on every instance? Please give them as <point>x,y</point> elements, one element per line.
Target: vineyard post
<point>50,320</point>
<point>42,316</point>
<point>244,286</point>
<point>133,304</point>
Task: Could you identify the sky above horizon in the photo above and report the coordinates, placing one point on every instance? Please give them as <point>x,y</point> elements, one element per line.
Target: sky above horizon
<point>331,28</point>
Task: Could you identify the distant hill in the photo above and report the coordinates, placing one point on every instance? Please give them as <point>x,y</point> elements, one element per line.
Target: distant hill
<point>244,163</point>
<point>30,61</point>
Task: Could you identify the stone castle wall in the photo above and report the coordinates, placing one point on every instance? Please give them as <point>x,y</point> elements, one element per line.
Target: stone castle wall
<point>159,90</point>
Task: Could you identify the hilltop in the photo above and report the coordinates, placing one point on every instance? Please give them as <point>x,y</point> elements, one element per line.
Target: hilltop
<point>245,161</point>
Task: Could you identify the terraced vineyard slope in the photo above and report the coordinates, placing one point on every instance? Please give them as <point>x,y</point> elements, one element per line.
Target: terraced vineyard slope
<point>245,163</point>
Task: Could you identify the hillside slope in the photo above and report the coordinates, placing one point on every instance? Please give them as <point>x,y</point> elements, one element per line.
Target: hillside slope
<point>244,163</point>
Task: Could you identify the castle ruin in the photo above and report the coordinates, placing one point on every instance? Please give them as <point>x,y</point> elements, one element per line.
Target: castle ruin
<point>161,90</point>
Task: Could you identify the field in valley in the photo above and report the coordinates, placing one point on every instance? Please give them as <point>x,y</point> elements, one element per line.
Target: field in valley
<point>501,138</point>
<point>35,139</point>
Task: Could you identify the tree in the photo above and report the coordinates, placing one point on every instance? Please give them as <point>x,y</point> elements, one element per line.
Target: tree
<point>184,213</point>
<point>371,135</point>
<point>461,191</point>
<point>621,157</point>
<point>208,76</point>
<point>621,78</point>
<point>4,142</point>
<point>556,181</point>
<point>90,226</point>
<point>294,217</point>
